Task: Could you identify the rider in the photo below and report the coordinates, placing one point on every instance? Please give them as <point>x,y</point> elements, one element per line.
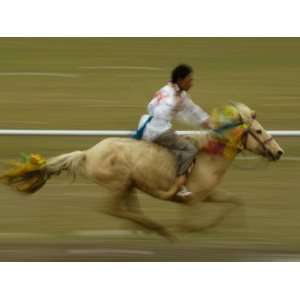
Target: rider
<point>172,102</point>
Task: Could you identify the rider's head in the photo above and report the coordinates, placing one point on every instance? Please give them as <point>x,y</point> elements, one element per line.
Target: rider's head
<point>182,76</point>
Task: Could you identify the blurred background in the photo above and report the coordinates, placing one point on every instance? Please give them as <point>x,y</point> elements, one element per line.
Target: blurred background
<point>106,83</point>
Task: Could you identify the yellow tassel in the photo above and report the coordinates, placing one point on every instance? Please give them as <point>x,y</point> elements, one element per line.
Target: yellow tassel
<point>33,163</point>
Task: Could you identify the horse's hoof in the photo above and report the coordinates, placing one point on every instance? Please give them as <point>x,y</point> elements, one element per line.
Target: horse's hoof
<point>168,235</point>
<point>186,228</point>
<point>237,202</point>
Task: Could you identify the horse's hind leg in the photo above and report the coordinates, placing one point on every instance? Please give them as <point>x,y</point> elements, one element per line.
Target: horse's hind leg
<point>119,208</point>
<point>132,202</point>
<point>124,203</point>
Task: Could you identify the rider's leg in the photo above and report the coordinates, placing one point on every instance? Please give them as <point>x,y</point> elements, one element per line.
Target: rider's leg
<point>186,163</point>
<point>185,152</point>
<point>181,181</point>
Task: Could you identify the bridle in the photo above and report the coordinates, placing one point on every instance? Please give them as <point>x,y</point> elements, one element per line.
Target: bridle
<point>263,144</point>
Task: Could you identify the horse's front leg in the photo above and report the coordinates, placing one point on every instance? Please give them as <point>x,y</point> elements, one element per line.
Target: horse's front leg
<point>228,201</point>
<point>196,204</point>
<point>222,196</point>
<point>190,212</point>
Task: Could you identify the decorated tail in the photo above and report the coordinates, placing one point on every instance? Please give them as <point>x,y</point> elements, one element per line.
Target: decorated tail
<point>30,173</point>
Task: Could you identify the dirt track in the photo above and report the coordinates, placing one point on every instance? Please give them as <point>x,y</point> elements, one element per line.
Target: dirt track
<point>87,251</point>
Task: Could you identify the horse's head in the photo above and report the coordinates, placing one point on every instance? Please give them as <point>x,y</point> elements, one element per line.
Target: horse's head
<point>255,138</point>
<point>238,125</point>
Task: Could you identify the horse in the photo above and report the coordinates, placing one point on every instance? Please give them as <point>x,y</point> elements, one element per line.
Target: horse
<point>125,165</point>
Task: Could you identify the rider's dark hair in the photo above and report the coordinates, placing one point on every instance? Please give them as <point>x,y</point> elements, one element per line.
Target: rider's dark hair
<point>180,72</point>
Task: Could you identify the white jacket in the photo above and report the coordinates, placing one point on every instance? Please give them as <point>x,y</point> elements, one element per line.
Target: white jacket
<point>167,105</point>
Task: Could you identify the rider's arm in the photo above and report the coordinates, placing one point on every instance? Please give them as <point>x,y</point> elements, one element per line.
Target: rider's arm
<point>194,114</point>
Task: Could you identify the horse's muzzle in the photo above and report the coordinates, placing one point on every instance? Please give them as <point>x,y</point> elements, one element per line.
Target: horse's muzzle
<point>278,155</point>
<point>274,156</point>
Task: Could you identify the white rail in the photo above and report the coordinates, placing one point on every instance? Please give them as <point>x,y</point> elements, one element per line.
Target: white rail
<point>113,133</point>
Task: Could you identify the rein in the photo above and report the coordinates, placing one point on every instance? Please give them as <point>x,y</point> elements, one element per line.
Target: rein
<point>228,126</point>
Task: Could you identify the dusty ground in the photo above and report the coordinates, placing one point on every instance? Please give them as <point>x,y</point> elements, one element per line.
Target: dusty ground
<point>106,84</point>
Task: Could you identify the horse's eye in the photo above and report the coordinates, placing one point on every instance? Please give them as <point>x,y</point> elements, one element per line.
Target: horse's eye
<point>258,131</point>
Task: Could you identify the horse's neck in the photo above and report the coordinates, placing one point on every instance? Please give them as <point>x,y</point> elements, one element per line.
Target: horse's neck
<point>214,148</point>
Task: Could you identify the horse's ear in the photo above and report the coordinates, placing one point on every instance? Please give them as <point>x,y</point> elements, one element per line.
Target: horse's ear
<point>237,106</point>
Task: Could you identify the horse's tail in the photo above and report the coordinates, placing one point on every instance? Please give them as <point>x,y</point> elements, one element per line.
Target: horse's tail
<point>31,175</point>
<point>71,162</point>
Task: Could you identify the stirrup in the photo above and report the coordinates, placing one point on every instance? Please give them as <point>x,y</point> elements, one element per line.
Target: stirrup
<point>184,192</point>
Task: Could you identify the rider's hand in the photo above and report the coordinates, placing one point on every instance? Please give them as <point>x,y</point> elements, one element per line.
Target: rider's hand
<point>207,124</point>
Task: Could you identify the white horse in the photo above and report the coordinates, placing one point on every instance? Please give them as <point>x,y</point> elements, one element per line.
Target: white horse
<point>124,165</point>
